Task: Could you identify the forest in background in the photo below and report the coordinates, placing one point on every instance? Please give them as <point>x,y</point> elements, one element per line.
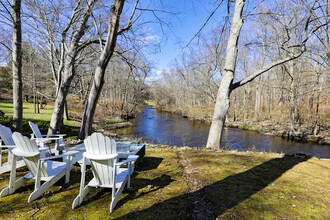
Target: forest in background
<point>291,98</point>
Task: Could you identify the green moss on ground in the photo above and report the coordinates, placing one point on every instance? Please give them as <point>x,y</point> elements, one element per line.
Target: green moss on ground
<point>248,185</point>
<point>109,122</point>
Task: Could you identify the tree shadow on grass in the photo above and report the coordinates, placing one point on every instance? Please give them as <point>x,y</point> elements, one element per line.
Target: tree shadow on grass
<point>149,163</point>
<point>153,185</point>
<point>222,195</point>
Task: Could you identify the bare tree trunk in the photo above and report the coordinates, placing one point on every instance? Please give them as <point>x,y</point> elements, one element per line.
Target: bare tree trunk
<point>258,98</point>
<point>269,93</point>
<point>316,129</point>
<point>281,87</point>
<point>86,125</point>
<point>234,108</point>
<point>17,66</point>
<point>34,89</point>
<point>222,101</point>
<point>65,112</point>
<point>68,70</point>
<point>38,104</point>
<point>316,122</point>
<point>293,98</point>
<point>57,116</point>
<point>124,97</point>
<point>244,106</point>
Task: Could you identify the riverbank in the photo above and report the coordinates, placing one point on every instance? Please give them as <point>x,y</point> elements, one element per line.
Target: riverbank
<point>273,127</point>
<point>183,183</point>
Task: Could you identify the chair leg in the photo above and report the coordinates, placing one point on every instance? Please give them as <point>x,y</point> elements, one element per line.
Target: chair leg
<point>79,199</point>
<point>129,175</point>
<point>83,189</point>
<point>46,185</point>
<point>115,198</point>
<point>67,169</point>
<point>13,183</point>
<point>10,190</point>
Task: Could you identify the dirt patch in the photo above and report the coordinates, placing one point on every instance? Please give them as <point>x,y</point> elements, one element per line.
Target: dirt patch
<point>201,208</point>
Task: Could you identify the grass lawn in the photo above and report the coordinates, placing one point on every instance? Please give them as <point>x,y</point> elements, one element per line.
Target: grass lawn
<point>71,128</point>
<point>28,111</point>
<point>187,184</point>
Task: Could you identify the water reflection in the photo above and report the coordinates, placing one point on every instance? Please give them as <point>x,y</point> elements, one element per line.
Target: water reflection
<point>171,129</point>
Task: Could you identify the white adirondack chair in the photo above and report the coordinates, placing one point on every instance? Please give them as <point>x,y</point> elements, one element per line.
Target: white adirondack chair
<point>42,139</point>
<point>6,137</point>
<point>101,152</point>
<point>41,169</point>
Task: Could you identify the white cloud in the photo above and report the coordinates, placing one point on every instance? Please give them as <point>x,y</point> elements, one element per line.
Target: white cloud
<point>154,76</point>
<point>151,39</point>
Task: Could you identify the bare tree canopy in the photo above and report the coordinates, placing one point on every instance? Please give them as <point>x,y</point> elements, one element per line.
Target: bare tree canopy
<point>227,60</point>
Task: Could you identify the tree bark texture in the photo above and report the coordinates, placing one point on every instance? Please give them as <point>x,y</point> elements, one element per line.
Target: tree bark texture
<point>222,101</point>
<point>17,66</point>
<point>89,112</point>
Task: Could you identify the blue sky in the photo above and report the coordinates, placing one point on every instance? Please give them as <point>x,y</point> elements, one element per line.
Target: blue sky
<point>190,15</point>
<point>186,17</point>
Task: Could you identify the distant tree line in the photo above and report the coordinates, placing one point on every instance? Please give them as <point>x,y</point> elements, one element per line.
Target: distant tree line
<point>280,55</point>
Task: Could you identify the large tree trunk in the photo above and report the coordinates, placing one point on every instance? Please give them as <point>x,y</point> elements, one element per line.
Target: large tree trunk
<point>57,116</point>
<point>222,101</point>
<point>68,70</point>
<point>66,111</point>
<point>17,66</point>
<point>86,125</point>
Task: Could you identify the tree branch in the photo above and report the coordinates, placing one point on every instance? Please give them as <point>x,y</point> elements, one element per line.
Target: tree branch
<point>8,48</point>
<point>207,20</point>
<point>130,22</point>
<point>9,13</point>
<point>271,66</point>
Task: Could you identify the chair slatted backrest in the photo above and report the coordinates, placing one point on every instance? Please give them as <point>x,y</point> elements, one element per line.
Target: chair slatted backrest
<point>97,144</point>
<point>6,135</point>
<point>26,145</point>
<point>35,129</point>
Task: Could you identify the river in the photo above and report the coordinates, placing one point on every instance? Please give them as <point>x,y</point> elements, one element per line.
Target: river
<point>171,129</point>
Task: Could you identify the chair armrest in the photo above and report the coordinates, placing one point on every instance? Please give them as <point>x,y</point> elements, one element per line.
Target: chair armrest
<point>44,148</point>
<point>46,139</point>
<point>19,153</point>
<point>54,135</point>
<point>8,146</point>
<point>68,153</point>
<point>99,157</point>
<point>129,160</point>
